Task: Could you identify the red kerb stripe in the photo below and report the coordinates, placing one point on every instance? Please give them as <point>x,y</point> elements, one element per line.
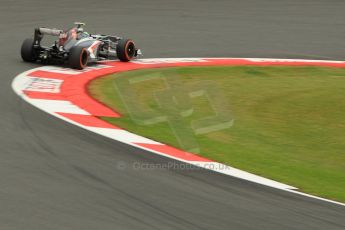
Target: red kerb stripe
<point>171,151</point>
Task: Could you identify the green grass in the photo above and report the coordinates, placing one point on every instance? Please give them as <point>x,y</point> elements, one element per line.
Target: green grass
<point>289,122</point>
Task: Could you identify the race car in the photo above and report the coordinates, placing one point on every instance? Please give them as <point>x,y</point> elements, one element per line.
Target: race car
<point>77,48</point>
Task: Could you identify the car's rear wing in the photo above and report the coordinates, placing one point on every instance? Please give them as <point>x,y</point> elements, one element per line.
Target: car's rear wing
<point>41,31</point>
<point>47,31</point>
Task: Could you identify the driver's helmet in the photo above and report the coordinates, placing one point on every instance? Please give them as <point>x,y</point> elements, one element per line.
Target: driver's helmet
<point>81,33</point>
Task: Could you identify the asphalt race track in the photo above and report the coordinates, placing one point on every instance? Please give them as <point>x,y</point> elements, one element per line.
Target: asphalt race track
<point>57,176</point>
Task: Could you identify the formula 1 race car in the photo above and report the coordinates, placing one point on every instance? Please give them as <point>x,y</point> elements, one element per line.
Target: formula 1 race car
<point>77,48</point>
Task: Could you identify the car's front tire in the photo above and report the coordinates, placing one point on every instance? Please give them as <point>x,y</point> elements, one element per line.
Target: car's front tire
<point>125,50</point>
<point>78,57</point>
<point>27,51</point>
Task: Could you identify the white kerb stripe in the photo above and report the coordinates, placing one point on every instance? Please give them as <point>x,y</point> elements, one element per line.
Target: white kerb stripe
<point>62,70</point>
<point>122,135</point>
<point>54,106</point>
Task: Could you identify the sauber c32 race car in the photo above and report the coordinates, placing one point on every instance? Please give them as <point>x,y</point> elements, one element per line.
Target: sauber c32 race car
<point>77,48</point>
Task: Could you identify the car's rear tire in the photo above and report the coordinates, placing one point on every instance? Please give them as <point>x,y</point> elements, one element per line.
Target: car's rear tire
<point>27,51</point>
<point>78,57</point>
<point>125,50</point>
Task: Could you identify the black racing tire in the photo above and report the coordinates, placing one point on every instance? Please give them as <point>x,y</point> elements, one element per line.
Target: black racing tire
<point>125,50</point>
<point>27,51</point>
<point>78,57</point>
